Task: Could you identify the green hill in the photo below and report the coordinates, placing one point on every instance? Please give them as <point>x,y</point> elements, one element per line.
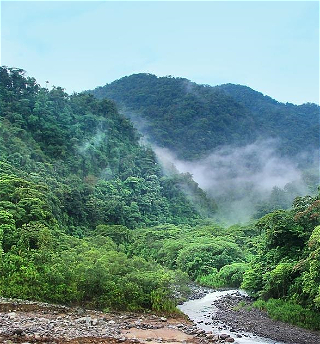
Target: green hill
<point>87,216</point>
<point>74,182</point>
<point>192,119</point>
<point>89,155</point>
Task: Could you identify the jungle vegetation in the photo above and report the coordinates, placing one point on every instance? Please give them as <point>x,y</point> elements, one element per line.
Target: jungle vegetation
<point>88,217</point>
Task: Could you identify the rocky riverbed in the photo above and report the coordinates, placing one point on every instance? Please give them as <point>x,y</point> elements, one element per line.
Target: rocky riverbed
<point>35,322</point>
<point>236,312</point>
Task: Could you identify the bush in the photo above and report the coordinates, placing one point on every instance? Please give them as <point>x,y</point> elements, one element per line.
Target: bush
<point>210,280</point>
<point>278,280</point>
<point>290,312</point>
<point>162,302</point>
<point>232,275</point>
<point>229,276</point>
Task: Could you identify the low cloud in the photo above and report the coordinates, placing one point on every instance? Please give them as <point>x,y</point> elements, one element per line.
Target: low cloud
<point>239,177</point>
<point>94,141</point>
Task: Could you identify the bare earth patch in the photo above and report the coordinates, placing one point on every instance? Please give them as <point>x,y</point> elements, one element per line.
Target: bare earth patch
<point>163,334</point>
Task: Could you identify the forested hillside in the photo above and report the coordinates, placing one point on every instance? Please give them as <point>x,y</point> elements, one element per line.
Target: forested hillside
<point>285,272</point>
<point>70,164</point>
<point>250,153</point>
<point>87,216</point>
<point>89,155</point>
<point>193,119</point>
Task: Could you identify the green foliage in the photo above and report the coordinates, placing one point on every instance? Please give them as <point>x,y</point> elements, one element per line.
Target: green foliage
<point>282,231</point>
<point>86,155</point>
<point>232,275</point>
<point>90,271</point>
<point>74,181</point>
<point>193,119</point>
<point>278,280</point>
<point>161,302</point>
<point>296,125</point>
<point>287,264</point>
<point>208,254</point>
<point>290,312</point>
<point>228,276</point>
<point>119,234</point>
<point>199,258</point>
<point>88,217</point>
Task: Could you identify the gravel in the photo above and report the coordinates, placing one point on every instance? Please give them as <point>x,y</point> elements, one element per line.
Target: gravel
<point>246,318</point>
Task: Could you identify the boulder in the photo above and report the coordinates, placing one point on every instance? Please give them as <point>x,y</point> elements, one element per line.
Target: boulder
<point>224,336</point>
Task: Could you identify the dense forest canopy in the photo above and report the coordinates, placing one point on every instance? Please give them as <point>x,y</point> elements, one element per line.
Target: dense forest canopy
<point>93,151</point>
<point>88,217</point>
<point>193,119</point>
<point>69,164</point>
<point>250,153</point>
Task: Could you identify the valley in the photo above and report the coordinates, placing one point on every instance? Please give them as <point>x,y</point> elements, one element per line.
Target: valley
<point>99,213</point>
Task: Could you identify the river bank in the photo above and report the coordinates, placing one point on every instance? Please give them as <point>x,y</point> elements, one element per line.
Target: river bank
<point>237,313</point>
<point>35,322</point>
<point>227,319</point>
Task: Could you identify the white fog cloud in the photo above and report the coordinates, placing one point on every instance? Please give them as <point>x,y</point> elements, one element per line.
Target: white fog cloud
<point>237,177</point>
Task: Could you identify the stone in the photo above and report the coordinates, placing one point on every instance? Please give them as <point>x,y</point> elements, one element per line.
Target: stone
<point>37,336</point>
<point>12,315</point>
<point>224,336</point>
<point>229,340</point>
<point>94,321</point>
<point>18,331</point>
<point>163,319</point>
<point>81,320</point>
<point>88,320</point>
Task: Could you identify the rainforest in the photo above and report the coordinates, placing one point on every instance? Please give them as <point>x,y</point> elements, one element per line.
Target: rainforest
<point>101,203</point>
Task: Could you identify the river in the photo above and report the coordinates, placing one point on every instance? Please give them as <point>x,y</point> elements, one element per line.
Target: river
<point>201,310</point>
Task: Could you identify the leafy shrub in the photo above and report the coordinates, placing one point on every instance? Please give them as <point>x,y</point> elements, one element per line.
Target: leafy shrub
<point>290,312</point>
<point>232,275</point>
<point>278,280</point>
<point>229,276</point>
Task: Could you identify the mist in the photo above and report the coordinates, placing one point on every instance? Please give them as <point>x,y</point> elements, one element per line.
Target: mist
<point>241,178</point>
<point>94,141</point>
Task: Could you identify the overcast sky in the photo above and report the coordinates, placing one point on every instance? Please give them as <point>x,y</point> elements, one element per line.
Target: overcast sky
<point>271,46</point>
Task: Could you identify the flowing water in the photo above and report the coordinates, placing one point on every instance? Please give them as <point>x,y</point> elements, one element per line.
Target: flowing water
<point>201,310</point>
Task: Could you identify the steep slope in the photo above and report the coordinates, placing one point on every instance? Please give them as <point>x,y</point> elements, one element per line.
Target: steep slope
<point>88,154</point>
<point>78,194</point>
<point>74,184</point>
<point>193,119</point>
<point>296,125</point>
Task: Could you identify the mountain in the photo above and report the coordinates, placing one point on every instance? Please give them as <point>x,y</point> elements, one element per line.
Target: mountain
<point>89,156</point>
<point>75,183</point>
<point>192,120</point>
<point>88,217</point>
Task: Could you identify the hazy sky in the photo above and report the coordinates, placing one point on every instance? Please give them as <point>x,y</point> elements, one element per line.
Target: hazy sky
<point>271,46</point>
